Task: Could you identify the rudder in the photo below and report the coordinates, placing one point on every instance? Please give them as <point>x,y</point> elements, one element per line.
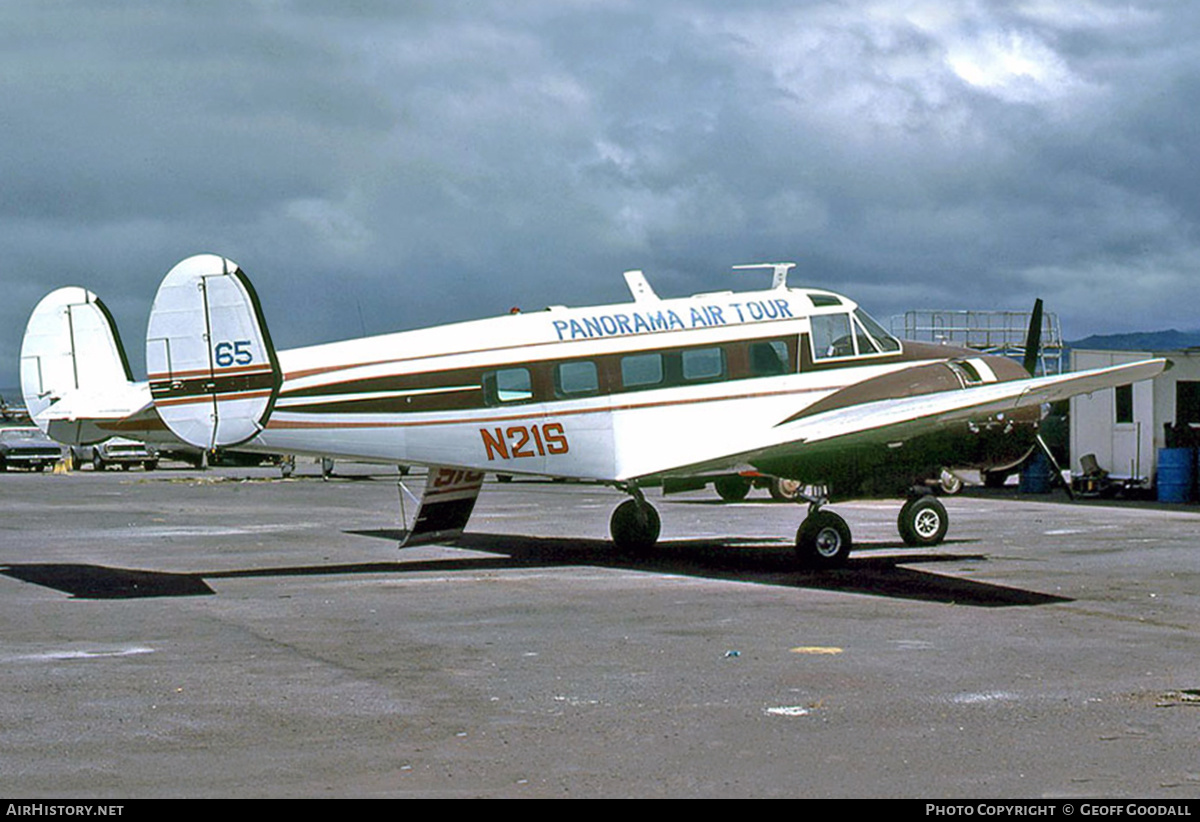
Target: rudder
<point>73,366</point>
<point>213,371</point>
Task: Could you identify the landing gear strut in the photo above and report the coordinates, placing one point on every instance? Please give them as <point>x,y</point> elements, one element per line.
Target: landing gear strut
<point>635,525</point>
<point>823,539</point>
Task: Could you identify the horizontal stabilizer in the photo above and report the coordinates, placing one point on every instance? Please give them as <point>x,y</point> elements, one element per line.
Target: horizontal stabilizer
<point>213,371</point>
<point>446,505</point>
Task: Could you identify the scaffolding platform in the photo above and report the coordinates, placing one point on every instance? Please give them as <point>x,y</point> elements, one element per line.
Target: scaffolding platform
<point>989,332</point>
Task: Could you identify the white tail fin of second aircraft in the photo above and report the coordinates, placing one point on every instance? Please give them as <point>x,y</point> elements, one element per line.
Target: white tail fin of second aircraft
<point>74,373</point>
<point>212,368</point>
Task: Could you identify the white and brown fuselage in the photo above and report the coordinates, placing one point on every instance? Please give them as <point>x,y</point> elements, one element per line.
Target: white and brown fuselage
<point>634,392</point>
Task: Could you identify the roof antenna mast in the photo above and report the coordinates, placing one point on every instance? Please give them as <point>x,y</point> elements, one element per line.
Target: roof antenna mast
<point>781,271</point>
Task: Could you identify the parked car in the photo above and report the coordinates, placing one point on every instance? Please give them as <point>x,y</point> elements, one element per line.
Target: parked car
<point>117,451</point>
<point>27,448</point>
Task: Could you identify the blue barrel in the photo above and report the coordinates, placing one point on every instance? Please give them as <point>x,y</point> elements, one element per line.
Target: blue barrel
<point>1035,475</point>
<point>1175,474</point>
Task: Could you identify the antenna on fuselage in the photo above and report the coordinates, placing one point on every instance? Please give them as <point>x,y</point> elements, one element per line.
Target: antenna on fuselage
<point>639,288</point>
<point>781,271</point>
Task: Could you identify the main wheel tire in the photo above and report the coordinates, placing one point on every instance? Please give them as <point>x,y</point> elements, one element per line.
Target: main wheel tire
<point>97,462</point>
<point>785,490</point>
<point>732,489</point>
<point>823,540</point>
<point>635,526</point>
<point>923,521</point>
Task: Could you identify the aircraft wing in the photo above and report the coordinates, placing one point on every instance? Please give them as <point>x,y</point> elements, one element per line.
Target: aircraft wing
<point>892,421</point>
<point>969,404</point>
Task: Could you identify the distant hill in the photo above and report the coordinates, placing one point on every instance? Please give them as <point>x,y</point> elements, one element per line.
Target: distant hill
<point>1171,340</point>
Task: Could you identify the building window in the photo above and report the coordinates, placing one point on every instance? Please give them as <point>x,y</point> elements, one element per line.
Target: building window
<point>1187,403</point>
<point>1124,403</point>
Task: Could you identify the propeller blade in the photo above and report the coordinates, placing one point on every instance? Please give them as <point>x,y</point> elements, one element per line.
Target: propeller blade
<point>1033,339</point>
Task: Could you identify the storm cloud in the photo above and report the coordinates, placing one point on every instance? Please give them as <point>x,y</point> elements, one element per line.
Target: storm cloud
<point>375,166</point>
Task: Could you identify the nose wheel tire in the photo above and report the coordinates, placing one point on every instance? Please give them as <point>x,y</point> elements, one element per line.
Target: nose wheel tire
<point>635,526</point>
<point>823,540</point>
<point>923,521</point>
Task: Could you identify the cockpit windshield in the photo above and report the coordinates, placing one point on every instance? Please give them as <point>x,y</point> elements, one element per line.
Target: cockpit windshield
<point>885,342</point>
<point>849,335</point>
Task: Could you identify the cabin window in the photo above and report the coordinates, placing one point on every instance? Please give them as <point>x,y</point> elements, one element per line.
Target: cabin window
<point>576,379</point>
<point>507,385</point>
<point>642,370</point>
<point>768,359</point>
<point>831,336</point>
<point>701,364</point>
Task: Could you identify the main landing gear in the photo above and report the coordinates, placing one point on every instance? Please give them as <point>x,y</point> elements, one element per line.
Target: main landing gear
<point>822,541</point>
<point>923,521</point>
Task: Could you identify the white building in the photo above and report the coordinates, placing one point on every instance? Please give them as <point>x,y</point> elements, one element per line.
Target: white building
<point>1124,427</point>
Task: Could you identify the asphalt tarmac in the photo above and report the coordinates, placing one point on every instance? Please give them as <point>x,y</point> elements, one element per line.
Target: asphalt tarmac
<point>232,634</point>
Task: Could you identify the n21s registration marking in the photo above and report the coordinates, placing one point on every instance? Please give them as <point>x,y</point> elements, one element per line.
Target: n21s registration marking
<point>521,441</point>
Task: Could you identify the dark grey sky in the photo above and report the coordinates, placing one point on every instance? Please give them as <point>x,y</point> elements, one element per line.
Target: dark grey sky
<point>375,166</point>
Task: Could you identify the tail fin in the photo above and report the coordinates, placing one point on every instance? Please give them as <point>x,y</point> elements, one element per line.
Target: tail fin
<point>74,372</point>
<point>213,372</point>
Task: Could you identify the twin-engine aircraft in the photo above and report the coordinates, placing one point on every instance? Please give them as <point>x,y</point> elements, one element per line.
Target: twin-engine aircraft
<point>795,383</point>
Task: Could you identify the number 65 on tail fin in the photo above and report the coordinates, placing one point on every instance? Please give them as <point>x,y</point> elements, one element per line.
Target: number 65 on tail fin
<point>213,371</point>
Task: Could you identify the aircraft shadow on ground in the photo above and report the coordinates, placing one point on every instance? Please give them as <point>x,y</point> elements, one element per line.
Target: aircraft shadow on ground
<point>732,559</point>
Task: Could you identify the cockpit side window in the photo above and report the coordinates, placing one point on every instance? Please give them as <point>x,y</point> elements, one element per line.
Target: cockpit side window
<point>831,336</point>
<point>846,335</point>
